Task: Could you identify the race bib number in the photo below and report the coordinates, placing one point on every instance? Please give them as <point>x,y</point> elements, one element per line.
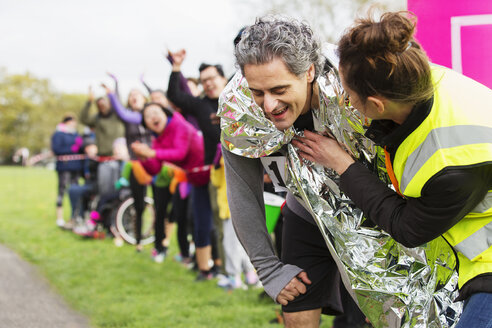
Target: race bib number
<point>277,170</point>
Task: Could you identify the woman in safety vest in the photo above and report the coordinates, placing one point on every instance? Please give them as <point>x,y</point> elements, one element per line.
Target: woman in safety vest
<point>435,126</point>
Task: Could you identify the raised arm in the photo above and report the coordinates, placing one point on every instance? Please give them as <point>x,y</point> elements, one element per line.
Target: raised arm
<point>116,85</point>
<point>183,82</point>
<point>123,113</point>
<point>147,87</point>
<point>184,100</point>
<point>85,117</point>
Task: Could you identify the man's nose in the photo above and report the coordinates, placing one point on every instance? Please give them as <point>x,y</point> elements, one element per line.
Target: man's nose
<point>208,82</point>
<point>269,103</point>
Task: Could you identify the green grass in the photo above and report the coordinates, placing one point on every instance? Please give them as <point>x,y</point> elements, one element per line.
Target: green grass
<point>114,287</point>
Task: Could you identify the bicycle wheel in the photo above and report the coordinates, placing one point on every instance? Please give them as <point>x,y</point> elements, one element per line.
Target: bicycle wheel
<point>126,217</point>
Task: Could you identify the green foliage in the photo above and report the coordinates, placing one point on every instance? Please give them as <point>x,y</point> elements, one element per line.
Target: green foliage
<point>115,287</point>
<point>29,110</point>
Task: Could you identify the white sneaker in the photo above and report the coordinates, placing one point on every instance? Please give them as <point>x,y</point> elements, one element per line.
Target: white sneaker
<point>60,222</point>
<point>223,280</point>
<point>158,257</point>
<point>118,241</point>
<point>252,280</point>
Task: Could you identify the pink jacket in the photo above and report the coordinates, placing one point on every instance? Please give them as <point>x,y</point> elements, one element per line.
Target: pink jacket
<point>181,144</point>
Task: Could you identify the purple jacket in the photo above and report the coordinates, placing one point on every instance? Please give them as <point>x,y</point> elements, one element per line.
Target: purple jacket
<point>180,144</point>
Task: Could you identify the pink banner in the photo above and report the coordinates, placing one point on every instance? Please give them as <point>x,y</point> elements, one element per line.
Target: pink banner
<point>457,34</point>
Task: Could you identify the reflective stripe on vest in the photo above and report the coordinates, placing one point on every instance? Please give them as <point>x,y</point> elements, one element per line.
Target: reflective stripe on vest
<point>484,205</point>
<point>457,133</point>
<point>476,243</point>
<point>441,138</point>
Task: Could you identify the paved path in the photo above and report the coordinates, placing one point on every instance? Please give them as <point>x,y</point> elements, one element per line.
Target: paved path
<point>28,301</point>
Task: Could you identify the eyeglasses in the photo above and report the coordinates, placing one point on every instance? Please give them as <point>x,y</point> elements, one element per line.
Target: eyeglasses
<point>205,80</point>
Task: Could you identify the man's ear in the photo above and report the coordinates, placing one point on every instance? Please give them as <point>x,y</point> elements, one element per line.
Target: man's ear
<point>310,73</point>
<point>376,102</point>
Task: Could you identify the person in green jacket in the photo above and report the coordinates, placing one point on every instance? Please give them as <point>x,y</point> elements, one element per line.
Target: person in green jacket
<point>106,124</point>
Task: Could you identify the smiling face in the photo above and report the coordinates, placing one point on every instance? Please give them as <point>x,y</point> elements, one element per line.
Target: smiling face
<point>213,83</point>
<point>283,96</point>
<point>136,100</point>
<point>103,106</point>
<point>155,118</point>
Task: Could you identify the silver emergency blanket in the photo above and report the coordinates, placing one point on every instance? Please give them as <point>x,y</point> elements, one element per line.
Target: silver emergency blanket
<point>393,285</point>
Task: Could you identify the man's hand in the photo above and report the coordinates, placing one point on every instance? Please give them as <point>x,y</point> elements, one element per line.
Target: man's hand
<point>323,150</point>
<point>142,150</point>
<point>177,59</point>
<point>294,288</point>
<point>91,94</point>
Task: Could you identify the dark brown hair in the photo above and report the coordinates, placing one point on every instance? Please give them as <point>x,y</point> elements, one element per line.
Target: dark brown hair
<point>68,117</point>
<point>167,111</point>
<point>383,58</point>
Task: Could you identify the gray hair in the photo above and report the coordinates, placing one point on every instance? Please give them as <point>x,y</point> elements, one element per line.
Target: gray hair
<point>275,36</point>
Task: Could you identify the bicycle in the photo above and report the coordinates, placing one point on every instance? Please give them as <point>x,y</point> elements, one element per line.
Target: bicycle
<point>125,221</point>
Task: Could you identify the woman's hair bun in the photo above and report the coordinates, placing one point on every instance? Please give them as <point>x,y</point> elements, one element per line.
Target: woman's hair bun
<point>382,57</point>
<point>391,34</point>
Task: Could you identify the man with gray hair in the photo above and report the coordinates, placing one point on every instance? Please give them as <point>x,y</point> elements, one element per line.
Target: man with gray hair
<point>280,59</point>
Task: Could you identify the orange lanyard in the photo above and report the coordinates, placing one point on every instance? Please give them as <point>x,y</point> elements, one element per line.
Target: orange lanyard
<point>391,173</point>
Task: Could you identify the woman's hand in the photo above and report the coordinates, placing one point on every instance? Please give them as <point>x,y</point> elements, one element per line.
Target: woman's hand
<point>106,88</point>
<point>323,150</point>
<point>142,150</point>
<point>111,75</point>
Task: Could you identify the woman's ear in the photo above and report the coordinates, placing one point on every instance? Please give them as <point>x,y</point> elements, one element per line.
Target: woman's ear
<point>376,103</point>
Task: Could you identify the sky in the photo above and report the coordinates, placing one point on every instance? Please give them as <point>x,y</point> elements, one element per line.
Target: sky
<point>74,43</point>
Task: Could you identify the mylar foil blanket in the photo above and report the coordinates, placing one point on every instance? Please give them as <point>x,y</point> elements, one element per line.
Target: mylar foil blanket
<point>393,285</point>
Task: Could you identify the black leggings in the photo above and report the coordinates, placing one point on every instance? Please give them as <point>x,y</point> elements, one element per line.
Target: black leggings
<point>138,193</point>
<point>181,215</point>
<point>162,196</point>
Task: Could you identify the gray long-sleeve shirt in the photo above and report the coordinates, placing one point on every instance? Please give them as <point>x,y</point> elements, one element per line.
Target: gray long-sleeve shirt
<point>245,195</point>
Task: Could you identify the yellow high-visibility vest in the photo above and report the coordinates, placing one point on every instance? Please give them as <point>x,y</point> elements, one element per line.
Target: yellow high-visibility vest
<point>456,133</point>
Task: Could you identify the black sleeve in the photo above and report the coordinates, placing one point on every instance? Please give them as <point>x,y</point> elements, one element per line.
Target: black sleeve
<point>445,200</point>
<point>189,104</point>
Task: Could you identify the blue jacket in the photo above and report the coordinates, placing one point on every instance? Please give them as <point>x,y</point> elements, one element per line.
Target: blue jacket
<point>61,144</point>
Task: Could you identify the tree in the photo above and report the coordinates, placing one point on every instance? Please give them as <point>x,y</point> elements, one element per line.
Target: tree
<point>29,110</point>
<point>327,17</point>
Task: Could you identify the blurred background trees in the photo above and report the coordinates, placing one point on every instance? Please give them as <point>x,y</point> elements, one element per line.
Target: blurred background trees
<point>30,108</point>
